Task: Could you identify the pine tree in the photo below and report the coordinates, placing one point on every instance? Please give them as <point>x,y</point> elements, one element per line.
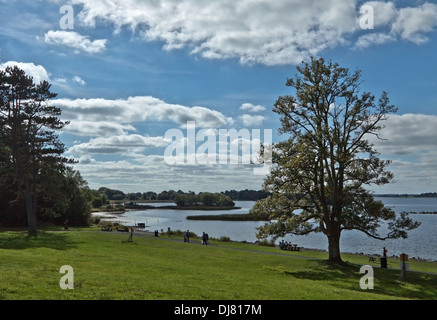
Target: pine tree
<point>28,125</point>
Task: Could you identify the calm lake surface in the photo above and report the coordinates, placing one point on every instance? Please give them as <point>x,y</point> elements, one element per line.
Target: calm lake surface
<point>421,242</point>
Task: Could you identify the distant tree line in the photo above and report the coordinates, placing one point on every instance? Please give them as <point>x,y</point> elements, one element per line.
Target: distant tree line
<point>103,195</point>
<point>405,195</point>
<point>203,198</point>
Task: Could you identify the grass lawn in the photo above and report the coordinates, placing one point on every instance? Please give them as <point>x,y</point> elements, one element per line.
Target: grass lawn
<point>105,267</point>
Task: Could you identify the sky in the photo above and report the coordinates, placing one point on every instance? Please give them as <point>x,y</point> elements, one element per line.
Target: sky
<point>140,79</point>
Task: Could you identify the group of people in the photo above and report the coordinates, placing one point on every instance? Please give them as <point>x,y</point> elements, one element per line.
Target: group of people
<point>205,238</point>
<point>285,245</point>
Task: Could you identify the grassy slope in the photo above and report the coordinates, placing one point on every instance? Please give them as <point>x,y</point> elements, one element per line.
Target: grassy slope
<point>150,268</point>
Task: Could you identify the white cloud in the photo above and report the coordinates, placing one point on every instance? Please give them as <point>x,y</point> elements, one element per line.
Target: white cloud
<point>151,173</point>
<point>408,134</point>
<point>251,120</point>
<point>370,39</point>
<point>384,12</point>
<point>79,80</point>
<point>263,31</point>
<point>139,109</point>
<point>87,159</point>
<point>75,41</point>
<point>409,23</point>
<point>38,72</point>
<point>118,144</point>
<point>252,108</point>
<point>410,143</point>
<point>94,129</point>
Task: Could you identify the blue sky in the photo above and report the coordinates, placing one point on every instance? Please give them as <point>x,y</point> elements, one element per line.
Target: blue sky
<point>126,72</point>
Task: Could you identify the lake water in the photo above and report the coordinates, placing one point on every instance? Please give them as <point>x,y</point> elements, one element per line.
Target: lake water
<point>421,242</point>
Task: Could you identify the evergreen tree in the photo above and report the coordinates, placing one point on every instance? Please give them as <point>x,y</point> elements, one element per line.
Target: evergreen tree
<point>28,124</point>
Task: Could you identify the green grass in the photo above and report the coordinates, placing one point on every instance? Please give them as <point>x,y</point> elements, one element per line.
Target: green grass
<point>106,267</point>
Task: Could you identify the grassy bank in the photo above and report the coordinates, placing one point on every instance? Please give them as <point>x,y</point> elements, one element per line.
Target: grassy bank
<point>107,267</point>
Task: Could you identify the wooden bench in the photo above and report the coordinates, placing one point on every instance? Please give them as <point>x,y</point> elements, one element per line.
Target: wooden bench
<point>106,228</point>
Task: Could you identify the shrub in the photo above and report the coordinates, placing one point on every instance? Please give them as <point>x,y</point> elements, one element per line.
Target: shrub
<point>224,239</point>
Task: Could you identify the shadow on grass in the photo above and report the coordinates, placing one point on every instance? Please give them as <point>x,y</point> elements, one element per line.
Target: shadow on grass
<point>52,240</point>
<point>347,276</point>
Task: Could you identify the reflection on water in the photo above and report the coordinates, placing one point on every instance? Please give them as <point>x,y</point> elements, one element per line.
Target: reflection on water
<point>421,242</point>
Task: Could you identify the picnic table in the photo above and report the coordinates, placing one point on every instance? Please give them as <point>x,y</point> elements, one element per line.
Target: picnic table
<point>373,258</point>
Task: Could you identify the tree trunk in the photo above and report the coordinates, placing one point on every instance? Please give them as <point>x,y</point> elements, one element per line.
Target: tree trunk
<point>31,214</point>
<point>334,247</point>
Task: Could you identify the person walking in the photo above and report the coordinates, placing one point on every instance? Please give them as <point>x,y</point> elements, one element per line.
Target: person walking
<point>131,234</point>
<point>205,239</point>
<point>187,236</point>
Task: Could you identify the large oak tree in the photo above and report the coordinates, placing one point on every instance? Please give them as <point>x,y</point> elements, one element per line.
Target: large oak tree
<point>320,173</point>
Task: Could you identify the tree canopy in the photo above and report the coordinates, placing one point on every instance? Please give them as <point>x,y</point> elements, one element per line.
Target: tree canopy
<point>321,171</point>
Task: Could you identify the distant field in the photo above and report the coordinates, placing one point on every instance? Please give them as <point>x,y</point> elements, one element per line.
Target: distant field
<point>106,267</point>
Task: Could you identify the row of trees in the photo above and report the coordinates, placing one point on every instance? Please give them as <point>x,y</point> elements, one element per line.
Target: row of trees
<point>204,198</point>
<point>36,182</point>
<point>106,194</point>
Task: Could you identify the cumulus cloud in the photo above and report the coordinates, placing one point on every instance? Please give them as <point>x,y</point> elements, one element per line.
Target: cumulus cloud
<point>251,120</point>
<point>79,80</point>
<point>251,108</point>
<point>262,31</point>
<point>75,41</point>
<point>38,72</point>
<point>87,159</point>
<point>267,32</point>
<point>409,23</point>
<point>371,39</point>
<point>138,109</point>
<point>412,23</point>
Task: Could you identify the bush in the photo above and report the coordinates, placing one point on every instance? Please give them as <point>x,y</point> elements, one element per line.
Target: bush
<point>224,239</point>
<point>267,243</point>
<point>179,233</point>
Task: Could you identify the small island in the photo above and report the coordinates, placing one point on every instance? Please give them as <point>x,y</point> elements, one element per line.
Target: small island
<point>203,201</point>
